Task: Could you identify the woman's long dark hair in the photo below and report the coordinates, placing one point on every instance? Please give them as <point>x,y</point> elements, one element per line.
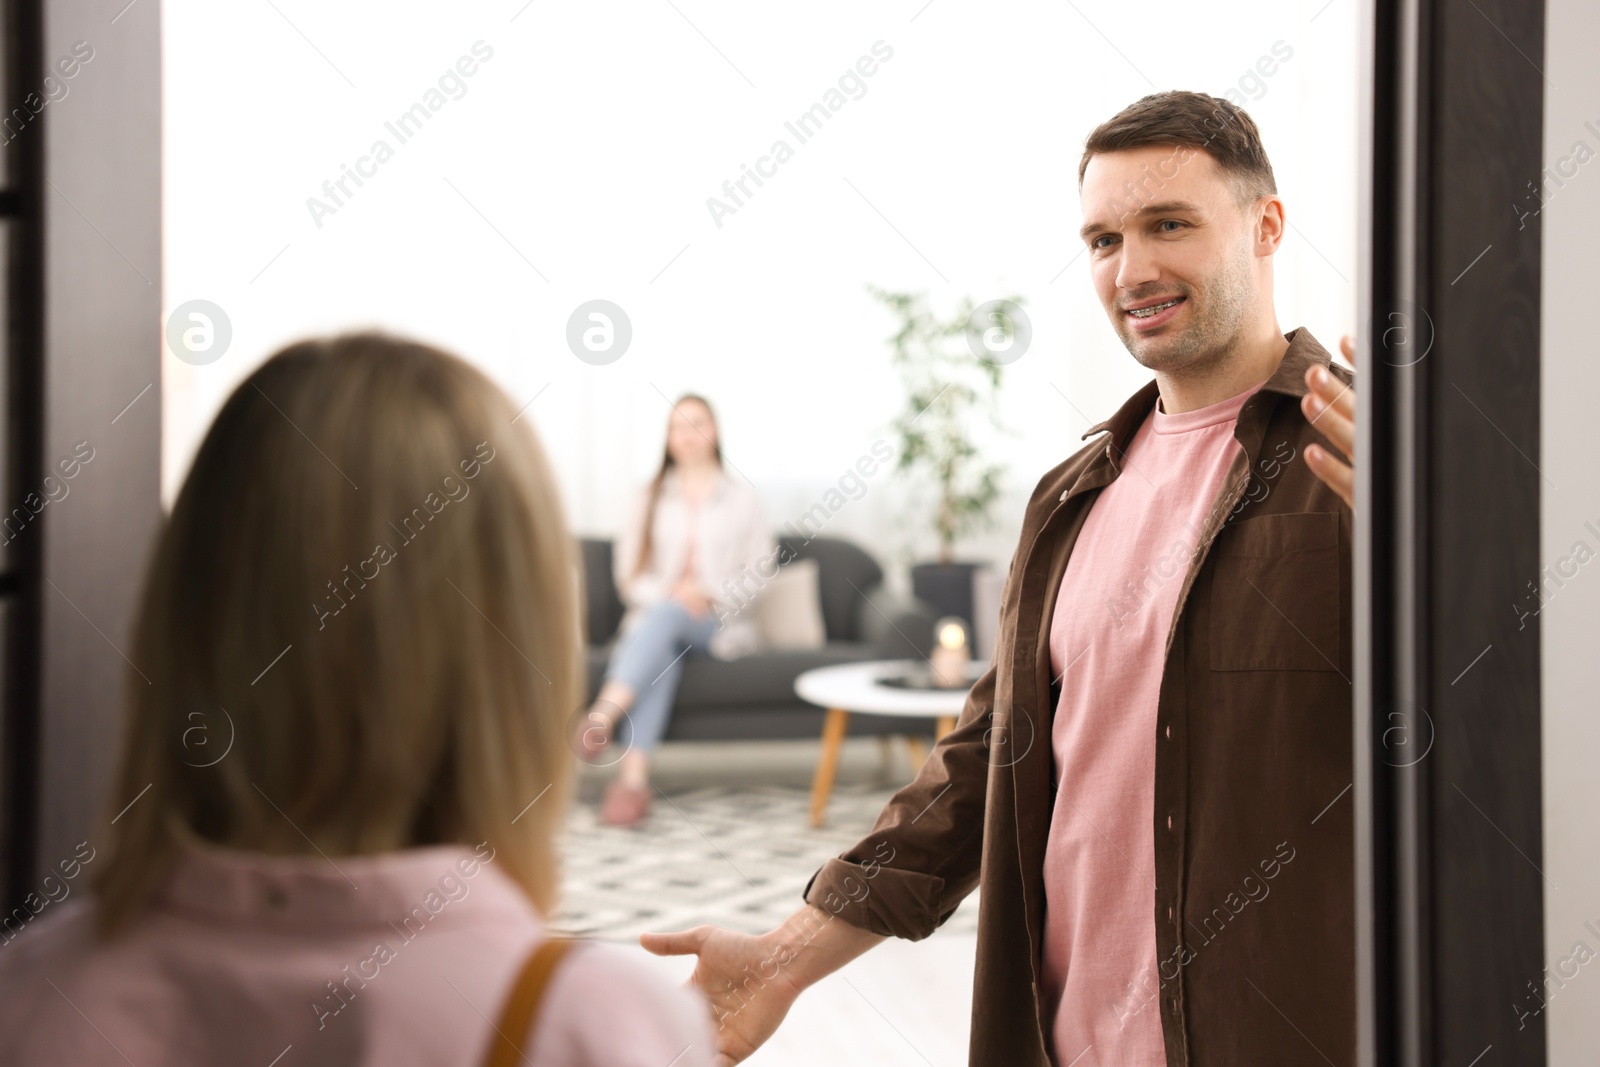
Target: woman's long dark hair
<point>667,463</point>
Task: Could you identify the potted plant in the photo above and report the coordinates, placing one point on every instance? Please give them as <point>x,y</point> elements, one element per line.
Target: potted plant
<point>950,378</point>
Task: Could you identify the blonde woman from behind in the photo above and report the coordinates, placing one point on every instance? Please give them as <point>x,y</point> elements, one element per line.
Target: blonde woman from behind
<point>345,764</point>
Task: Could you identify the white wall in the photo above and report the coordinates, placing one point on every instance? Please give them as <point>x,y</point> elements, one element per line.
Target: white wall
<point>591,141</point>
<point>1569,623</point>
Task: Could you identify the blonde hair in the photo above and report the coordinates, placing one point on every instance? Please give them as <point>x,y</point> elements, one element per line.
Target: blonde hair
<point>368,590</point>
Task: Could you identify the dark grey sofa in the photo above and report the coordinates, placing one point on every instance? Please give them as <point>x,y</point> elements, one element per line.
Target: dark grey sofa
<point>753,698</point>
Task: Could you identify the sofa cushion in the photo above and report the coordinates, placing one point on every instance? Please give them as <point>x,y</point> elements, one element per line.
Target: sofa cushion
<point>789,610</point>
<point>845,574</point>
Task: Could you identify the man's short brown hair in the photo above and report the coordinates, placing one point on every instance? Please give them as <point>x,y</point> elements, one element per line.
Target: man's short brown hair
<point>1192,120</point>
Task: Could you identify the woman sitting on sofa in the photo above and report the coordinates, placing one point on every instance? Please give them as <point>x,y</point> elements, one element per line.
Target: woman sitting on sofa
<point>687,565</point>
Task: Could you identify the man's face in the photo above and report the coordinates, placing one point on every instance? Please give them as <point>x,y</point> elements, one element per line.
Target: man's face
<point>1163,225</point>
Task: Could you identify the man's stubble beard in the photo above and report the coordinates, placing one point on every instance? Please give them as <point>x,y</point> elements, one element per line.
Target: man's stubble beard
<point>1217,319</point>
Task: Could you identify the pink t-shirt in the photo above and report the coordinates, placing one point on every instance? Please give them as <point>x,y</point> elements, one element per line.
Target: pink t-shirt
<point>1108,636</point>
<point>401,959</point>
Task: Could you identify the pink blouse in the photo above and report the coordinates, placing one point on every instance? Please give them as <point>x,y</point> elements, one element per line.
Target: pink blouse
<point>280,961</point>
<point>733,546</point>
<point>687,571</point>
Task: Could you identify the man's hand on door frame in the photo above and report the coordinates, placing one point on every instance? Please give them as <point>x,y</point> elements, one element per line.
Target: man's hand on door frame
<point>1331,407</point>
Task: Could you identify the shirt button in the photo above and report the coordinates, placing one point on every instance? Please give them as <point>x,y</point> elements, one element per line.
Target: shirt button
<point>1169,820</point>
<point>1064,493</point>
<point>1169,911</point>
<point>1169,730</point>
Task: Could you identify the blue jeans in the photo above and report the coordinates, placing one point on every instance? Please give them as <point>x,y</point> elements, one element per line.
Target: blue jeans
<point>649,660</point>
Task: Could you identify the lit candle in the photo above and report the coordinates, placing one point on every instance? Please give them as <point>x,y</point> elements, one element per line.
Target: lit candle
<point>950,654</point>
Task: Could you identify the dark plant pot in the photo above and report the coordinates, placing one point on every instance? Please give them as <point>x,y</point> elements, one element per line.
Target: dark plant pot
<point>948,587</point>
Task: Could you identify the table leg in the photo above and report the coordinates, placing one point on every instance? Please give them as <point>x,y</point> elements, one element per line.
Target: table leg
<point>833,729</point>
<point>916,751</point>
<point>945,724</point>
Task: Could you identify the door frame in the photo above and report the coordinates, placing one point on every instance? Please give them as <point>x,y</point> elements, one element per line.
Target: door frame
<point>1450,916</point>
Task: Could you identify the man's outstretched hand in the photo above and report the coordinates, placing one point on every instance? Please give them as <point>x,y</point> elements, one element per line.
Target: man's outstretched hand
<point>1331,407</point>
<point>746,1005</point>
<point>751,982</point>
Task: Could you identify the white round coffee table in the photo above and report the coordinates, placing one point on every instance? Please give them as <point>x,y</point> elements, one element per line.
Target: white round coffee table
<point>853,688</point>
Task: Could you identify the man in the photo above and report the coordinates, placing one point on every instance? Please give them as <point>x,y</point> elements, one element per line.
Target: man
<point>1150,783</point>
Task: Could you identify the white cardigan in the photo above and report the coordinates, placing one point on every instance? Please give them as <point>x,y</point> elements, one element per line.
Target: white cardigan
<point>735,556</point>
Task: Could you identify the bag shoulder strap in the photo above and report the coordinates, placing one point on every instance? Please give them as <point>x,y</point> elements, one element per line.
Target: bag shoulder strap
<point>522,1003</point>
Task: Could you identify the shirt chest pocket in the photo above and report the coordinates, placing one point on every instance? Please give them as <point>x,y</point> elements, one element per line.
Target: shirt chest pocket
<point>1275,594</point>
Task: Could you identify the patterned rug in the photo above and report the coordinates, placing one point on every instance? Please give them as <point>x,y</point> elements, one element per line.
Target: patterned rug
<point>735,856</point>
